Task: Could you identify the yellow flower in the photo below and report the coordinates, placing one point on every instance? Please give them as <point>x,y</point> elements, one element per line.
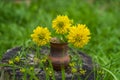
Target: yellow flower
<point>36,60</point>
<point>22,70</point>
<point>79,35</point>
<point>61,24</point>
<point>72,64</point>
<point>46,69</point>
<point>10,62</point>
<point>82,71</point>
<point>73,70</point>
<point>44,59</point>
<point>17,59</point>
<point>100,72</point>
<point>41,36</point>
<point>49,71</point>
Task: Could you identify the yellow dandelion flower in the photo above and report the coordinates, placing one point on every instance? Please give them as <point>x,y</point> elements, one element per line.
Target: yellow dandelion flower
<point>10,62</point>
<point>79,35</point>
<point>17,59</point>
<point>41,36</point>
<point>61,24</point>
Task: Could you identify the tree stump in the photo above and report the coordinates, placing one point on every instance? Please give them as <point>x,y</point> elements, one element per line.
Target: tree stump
<point>87,65</point>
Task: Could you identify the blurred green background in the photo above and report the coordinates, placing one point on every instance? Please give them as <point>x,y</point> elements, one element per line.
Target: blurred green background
<point>19,18</point>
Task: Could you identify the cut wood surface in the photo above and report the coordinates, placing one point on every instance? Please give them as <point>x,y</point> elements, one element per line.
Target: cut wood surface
<point>87,65</point>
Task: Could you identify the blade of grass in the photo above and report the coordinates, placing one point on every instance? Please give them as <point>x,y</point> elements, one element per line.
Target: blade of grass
<point>115,78</point>
<point>63,73</point>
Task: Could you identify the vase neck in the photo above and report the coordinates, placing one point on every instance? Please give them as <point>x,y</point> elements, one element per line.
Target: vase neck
<point>58,49</point>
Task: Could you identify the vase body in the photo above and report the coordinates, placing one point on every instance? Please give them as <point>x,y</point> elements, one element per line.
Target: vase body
<point>59,55</point>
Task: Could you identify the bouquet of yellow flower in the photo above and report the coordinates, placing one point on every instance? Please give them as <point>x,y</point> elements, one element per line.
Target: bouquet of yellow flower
<point>78,35</point>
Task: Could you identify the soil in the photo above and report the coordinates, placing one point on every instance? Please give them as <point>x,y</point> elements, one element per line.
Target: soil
<point>87,65</point>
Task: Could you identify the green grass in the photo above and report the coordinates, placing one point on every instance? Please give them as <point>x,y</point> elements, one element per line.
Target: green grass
<point>102,18</point>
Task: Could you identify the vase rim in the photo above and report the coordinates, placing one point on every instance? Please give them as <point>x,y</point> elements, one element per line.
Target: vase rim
<point>59,43</point>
